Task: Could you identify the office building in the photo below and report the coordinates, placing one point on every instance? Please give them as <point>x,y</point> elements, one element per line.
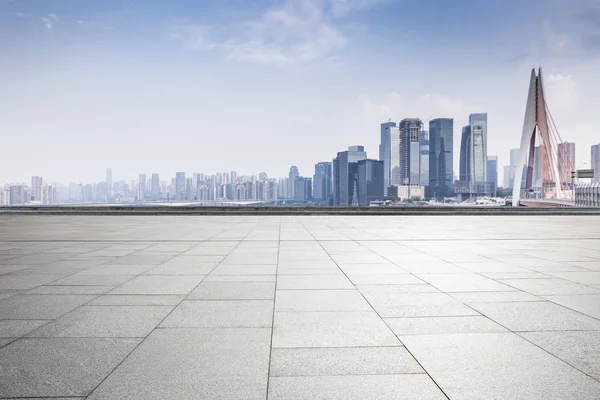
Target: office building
<point>190,189</point>
<point>410,151</point>
<point>424,158</point>
<point>36,188</point>
<point>18,194</point>
<point>322,185</point>
<point>345,175</point>
<point>389,151</point>
<point>293,174</point>
<point>473,150</point>
<point>566,160</point>
<point>370,181</point>
<point>441,153</point>
<point>596,162</point>
<point>506,177</point>
<point>492,169</point>
<point>141,188</point>
<point>302,189</point>
<point>155,190</point>
<point>180,189</point>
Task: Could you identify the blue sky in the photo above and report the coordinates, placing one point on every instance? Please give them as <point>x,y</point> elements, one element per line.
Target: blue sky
<point>155,86</point>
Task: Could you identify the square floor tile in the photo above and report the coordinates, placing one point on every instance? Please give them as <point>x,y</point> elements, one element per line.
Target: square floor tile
<point>53,367</point>
<point>159,285</point>
<point>343,361</point>
<point>536,316</point>
<point>331,329</point>
<point>497,365</point>
<point>191,364</point>
<point>105,321</point>
<point>221,314</point>
<point>233,291</point>
<point>321,300</point>
<point>40,306</point>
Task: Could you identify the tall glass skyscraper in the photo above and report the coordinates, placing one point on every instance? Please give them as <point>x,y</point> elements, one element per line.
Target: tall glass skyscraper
<point>492,169</point>
<point>370,181</point>
<point>473,154</point>
<point>425,158</point>
<point>410,151</point>
<point>345,174</point>
<point>388,147</point>
<point>441,151</point>
<point>322,182</point>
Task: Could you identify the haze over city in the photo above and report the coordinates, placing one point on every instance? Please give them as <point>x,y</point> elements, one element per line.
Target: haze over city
<point>207,86</point>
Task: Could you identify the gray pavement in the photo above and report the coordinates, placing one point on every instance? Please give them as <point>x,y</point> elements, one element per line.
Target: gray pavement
<point>293,307</point>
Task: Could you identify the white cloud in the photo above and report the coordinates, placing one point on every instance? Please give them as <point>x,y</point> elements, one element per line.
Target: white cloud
<point>49,21</point>
<point>561,91</point>
<point>294,32</point>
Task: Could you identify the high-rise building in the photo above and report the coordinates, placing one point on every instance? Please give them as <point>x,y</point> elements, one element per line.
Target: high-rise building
<point>36,188</point>
<point>492,169</point>
<point>536,173</point>
<point>141,188</point>
<point>410,151</point>
<point>18,194</point>
<point>388,147</point>
<point>322,182</point>
<point>370,181</point>
<point>291,182</point>
<point>155,187</point>
<point>473,154</point>
<point>441,163</point>
<point>596,162</point>
<point>190,189</point>
<point>109,183</point>
<point>180,190</point>
<point>506,177</point>
<point>424,158</point>
<point>48,194</point>
<point>566,158</point>
<point>345,174</point>
<point>262,176</point>
<point>302,189</point>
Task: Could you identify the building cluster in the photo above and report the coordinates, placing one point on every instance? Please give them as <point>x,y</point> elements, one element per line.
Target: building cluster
<point>413,163</point>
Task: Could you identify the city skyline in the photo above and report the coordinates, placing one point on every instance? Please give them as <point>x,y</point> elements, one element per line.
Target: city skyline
<point>204,86</point>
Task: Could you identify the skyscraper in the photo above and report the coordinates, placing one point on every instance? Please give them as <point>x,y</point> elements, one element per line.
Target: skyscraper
<point>36,188</point>
<point>492,169</point>
<point>155,187</point>
<point>262,176</point>
<point>390,137</point>
<point>302,189</point>
<point>410,151</point>
<point>596,162</point>
<point>180,192</point>
<point>292,178</point>
<point>566,158</point>
<point>473,154</point>
<point>370,181</point>
<point>424,158</point>
<point>141,188</point>
<point>441,150</point>
<point>506,177</point>
<point>109,182</point>
<point>345,174</point>
<point>322,182</point>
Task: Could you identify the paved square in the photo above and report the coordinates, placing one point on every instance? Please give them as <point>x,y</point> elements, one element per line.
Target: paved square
<point>286,307</point>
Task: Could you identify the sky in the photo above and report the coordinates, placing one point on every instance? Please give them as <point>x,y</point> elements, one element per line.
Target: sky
<point>153,86</point>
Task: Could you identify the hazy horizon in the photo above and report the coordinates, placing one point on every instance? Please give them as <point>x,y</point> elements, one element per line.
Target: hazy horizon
<point>155,87</point>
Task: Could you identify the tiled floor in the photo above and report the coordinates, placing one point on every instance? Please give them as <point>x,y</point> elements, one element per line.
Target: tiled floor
<point>299,307</point>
